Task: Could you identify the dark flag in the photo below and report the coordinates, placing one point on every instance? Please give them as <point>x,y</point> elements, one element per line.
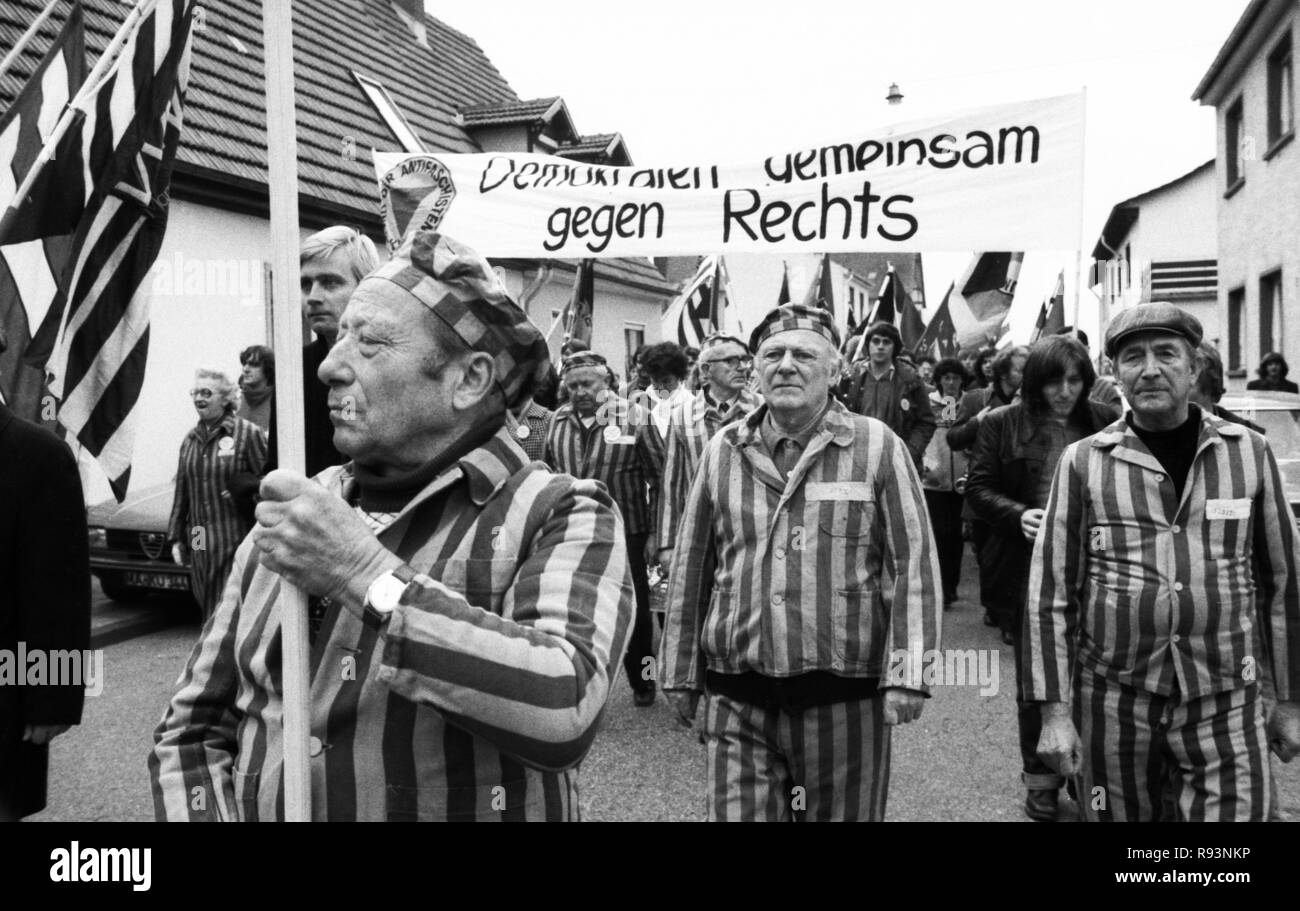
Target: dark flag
<point>820,293</point>
<point>579,311</point>
<point>887,302</point>
<point>910,325</point>
<point>940,336</point>
<point>784,296</point>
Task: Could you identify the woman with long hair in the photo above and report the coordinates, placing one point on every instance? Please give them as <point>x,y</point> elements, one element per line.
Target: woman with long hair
<point>206,522</point>
<point>1017,448</point>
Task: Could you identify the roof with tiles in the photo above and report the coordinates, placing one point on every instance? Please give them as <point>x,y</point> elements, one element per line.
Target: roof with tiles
<point>223,147</point>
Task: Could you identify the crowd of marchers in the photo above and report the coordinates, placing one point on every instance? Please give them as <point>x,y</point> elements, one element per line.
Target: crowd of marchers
<point>755,529</point>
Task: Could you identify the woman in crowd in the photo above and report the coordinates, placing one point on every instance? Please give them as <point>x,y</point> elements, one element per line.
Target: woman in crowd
<point>983,368</point>
<point>206,522</point>
<point>941,469</point>
<point>1016,451</point>
<point>1272,375</point>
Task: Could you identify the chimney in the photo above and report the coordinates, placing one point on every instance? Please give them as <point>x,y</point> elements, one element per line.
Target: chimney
<point>411,12</point>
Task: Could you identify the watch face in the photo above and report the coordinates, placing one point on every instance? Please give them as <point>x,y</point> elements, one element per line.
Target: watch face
<point>385,592</point>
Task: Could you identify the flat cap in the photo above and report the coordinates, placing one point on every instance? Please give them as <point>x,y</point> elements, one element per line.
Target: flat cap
<point>789,317</point>
<point>1157,316</point>
<point>461,289</point>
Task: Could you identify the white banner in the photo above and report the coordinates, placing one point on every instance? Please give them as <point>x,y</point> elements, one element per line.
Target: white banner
<point>999,178</point>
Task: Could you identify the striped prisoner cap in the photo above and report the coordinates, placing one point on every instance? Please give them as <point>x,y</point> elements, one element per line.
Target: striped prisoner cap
<point>795,316</point>
<point>460,288</point>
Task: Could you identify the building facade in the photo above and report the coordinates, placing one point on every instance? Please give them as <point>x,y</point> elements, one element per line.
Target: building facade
<point>1250,84</point>
<point>371,75</point>
<point>1161,245</point>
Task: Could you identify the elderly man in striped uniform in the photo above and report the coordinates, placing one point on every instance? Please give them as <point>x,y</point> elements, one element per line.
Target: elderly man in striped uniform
<point>1167,538</point>
<point>805,582</point>
<point>598,435</point>
<point>471,602</point>
<point>724,366</point>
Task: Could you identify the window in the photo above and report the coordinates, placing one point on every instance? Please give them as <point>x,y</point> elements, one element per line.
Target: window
<point>387,110</point>
<point>1236,315</point>
<point>1232,143</point>
<point>1281,99</point>
<point>1128,265</point>
<point>1270,313</point>
<point>633,338</point>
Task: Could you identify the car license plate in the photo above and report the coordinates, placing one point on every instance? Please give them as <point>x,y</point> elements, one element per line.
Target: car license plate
<point>165,581</point>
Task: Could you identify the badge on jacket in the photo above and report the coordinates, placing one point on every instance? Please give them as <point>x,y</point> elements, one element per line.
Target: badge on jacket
<point>905,404</point>
<point>522,431</point>
<point>225,446</point>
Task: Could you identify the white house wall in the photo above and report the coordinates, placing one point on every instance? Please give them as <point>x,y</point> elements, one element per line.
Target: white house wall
<point>1259,225</point>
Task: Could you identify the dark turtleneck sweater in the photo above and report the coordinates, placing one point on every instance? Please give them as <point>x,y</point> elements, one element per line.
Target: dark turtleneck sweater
<point>1174,449</point>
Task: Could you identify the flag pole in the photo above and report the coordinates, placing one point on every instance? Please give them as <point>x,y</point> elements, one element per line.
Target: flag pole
<point>26,38</point>
<point>282,183</point>
<point>97,75</point>
<point>1078,252</point>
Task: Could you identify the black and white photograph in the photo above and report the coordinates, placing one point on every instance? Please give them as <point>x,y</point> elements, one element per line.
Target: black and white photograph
<point>424,410</point>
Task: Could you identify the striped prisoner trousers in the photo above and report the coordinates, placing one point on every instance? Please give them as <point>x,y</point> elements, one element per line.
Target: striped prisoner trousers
<point>1211,750</point>
<point>827,763</point>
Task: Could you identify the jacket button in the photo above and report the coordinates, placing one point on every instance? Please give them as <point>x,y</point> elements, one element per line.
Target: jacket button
<point>1160,477</point>
<point>779,553</point>
<point>314,746</point>
<point>778,598</point>
<point>1176,529</point>
<point>1178,586</point>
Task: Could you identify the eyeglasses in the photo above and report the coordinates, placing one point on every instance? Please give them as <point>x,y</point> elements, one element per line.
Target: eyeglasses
<point>731,362</point>
<point>201,393</point>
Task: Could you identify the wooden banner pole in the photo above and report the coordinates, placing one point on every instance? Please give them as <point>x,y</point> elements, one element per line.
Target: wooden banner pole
<point>282,180</point>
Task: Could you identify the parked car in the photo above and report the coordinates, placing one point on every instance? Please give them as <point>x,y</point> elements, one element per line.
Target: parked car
<point>128,547</point>
<point>1279,414</point>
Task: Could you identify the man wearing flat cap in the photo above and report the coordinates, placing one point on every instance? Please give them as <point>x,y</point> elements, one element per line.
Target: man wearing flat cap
<point>466,604</point>
<point>804,579</point>
<point>1163,583</point>
<point>599,436</point>
<point>724,366</point>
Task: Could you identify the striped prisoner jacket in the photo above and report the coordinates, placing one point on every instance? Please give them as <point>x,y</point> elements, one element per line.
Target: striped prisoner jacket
<point>833,569</point>
<point>690,427</point>
<point>1158,594</point>
<point>476,699</point>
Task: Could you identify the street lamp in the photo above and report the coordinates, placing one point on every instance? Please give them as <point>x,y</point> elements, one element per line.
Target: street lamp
<point>894,96</point>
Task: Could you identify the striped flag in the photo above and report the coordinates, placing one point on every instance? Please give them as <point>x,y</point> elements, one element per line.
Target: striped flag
<point>579,311</point>
<point>29,271</point>
<point>690,317</point>
<point>97,364</point>
<point>984,295</point>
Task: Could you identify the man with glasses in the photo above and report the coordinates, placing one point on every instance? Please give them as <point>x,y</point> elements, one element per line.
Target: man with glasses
<point>806,574</point>
<point>724,396</point>
<point>598,435</point>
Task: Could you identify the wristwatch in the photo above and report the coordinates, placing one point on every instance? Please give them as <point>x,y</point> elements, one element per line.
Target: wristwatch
<point>384,593</point>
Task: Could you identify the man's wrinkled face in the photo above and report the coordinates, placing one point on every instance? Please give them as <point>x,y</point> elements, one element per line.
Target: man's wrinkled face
<point>880,348</point>
<point>926,371</point>
<point>950,385</point>
<point>725,367</point>
<point>588,387</point>
<point>209,398</point>
<point>326,285</point>
<point>1157,371</point>
<point>796,370</point>
<point>389,400</point>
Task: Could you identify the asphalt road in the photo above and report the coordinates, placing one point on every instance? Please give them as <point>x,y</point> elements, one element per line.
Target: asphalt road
<point>958,762</point>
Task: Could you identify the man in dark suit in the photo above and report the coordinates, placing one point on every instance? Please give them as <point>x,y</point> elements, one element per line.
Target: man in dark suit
<point>44,603</point>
